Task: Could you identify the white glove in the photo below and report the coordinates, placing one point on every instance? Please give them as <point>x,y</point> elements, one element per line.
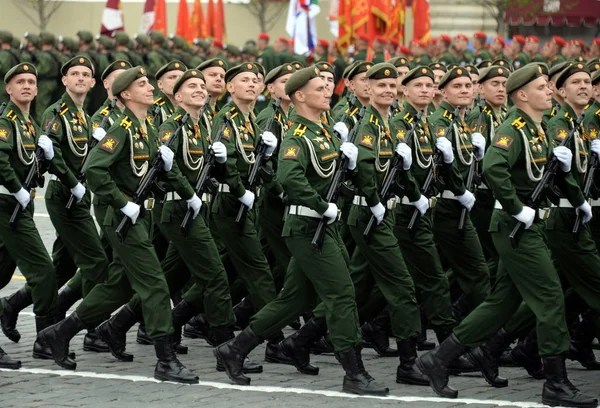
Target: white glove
<point>478,142</point>
<point>247,199</point>
<point>422,204</point>
<point>445,147</point>
<point>596,147</point>
<point>467,200</point>
<point>195,204</point>
<point>99,133</point>
<point>46,144</point>
<point>587,211</point>
<point>23,197</point>
<point>270,141</point>
<point>167,155</point>
<point>220,152</point>
<point>564,156</point>
<point>378,211</point>
<point>342,130</point>
<point>404,151</point>
<point>351,152</point>
<point>131,210</point>
<point>526,216</point>
<point>331,213</point>
<point>78,191</point>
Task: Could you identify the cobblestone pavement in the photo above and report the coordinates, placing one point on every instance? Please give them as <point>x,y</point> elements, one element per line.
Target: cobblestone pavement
<point>101,381</point>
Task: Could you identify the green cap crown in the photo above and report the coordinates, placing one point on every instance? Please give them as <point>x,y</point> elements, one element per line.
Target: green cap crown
<point>278,72</point>
<point>116,65</point>
<point>22,68</point>
<point>301,78</point>
<point>77,61</point>
<point>125,79</point>
<point>190,73</point>
<point>522,77</point>
<point>493,72</point>
<point>174,65</point>
<point>418,72</point>
<point>382,70</point>
<point>240,69</point>
<point>456,72</point>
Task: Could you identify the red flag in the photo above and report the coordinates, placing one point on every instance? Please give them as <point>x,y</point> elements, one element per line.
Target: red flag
<point>396,27</point>
<point>160,17</point>
<point>210,18</point>
<point>219,22</point>
<point>421,18</point>
<point>379,17</point>
<point>147,19</point>
<point>360,18</point>
<point>345,23</point>
<point>112,18</point>
<point>183,21</point>
<point>199,28</point>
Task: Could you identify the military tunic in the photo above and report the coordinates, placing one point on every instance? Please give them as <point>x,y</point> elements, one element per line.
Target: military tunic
<point>481,55</point>
<point>512,167</point>
<point>49,85</point>
<point>162,109</point>
<point>591,125</point>
<point>521,60</point>
<point>8,59</point>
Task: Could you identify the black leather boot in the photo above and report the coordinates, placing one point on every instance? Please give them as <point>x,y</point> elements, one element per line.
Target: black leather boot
<point>57,338</point>
<point>581,344</point>
<point>558,390</point>
<point>462,364</point>
<point>357,380</point>
<point>142,336</point>
<point>243,312</point>
<point>322,346</point>
<point>114,332</point>
<point>378,339</point>
<point>168,367</point>
<point>42,351</point>
<point>422,342</point>
<point>7,362</point>
<point>199,328</point>
<point>460,309</point>
<point>12,305</point>
<point>223,335</point>
<point>182,313</point>
<point>297,346</point>
<point>274,353</point>
<point>232,354</point>
<point>91,342</point>
<point>295,324</point>
<point>486,358</point>
<point>434,365</point>
<point>407,372</point>
<point>526,355</point>
<point>66,298</point>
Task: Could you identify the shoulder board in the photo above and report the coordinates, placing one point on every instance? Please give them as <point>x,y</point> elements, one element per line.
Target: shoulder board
<point>374,120</point>
<point>518,123</point>
<point>408,117</point>
<point>177,117</point>
<point>587,107</point>
<point>278,117</point>
<point>104,111</point>
<point>448,115</point>
<point>553,112</point>
<point>11,115</point>
<point>353,112</point>
<point>487,110</point>
<point>159,101</point>
<point>126,122</point>
<point>63,108</point>
<point>598,112</point>
<point>300,130</point>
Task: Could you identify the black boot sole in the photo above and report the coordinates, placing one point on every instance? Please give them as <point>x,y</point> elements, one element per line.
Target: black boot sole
<point>69,364</point>
<point>238,380</point>
<point>12,335</point>
<point>497,382</point>
<point>257,370</point>
<point>454,393</point>
<point>120,357</point>
<point>359,391</point>
<point>11,366</point>
<point>558,403</point>
<point>176,379</point>
<point>96,349</point>
<point>403,380</point>
<point>425,346</point>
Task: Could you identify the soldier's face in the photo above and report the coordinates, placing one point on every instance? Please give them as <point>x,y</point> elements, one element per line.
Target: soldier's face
<point>596,91</point>
<point>215,80</point>
<point>577,89</point>
<point>140,92</point>
<point>459,92</point>
<point>438,74</point>
<point>494,91</point>
<point>402,71</point>
<point>244,87</point>
<point>79,80</point>
<point>192,93</point>
<point>22,88</point>
<point>260,85</point>
<point>315,95</point>
<point>360,83</point>
<point>167,81</point>
<point>108,81</point>
<point>537,95</point>
<point>329,81</point>
<point>277,87</point>
<point>383,91</point>
<point>419,92</point>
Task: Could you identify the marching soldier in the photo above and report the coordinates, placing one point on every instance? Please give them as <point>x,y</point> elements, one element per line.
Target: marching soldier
<point>591,125</point>
<point>22,244</point>
<point>49,62</point>
<point>108,77</point>
<point>214,74</point>
<point>557,99</point>
<point>481,54</point>
<point>164,103</point>
<point>513,166</point>
<point>8,59</point>
<point>305,171</point>
<point>113,173</point>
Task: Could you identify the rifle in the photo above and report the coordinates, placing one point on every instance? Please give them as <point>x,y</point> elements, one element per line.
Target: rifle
<point>202,185</point>
<point>473,178</point>
<point>437,161</point>
<point>384,192</point>
<point>93,142</point>
<point>338,179</point>
<point>253,178</point>
<point>156,111</point>
<point>587,188</point>
<point>33,175</point>
<point>145,187</point>
<point>545,183</point>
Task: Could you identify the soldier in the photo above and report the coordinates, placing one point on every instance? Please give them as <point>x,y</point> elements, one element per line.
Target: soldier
<point>439,70</point>
<point>267,57</point>
<point>554,52</point>
<point>310,276</point>
<point>402,65</point>
<point>158,56</point>
<point>362,47</point>
<point>321,49</point>
<point>420,57</point>
<point>591,125</point>
<point>532,45</point>
<point>557,99</point>
<point>108,77</point>
<point>48,66</point>
<point>328,75</point>
<point>8,59</point>
<point>497,47</point>
<point>359,85</point>
<point>377,53</point>
<point>481,54</point>
<point>164,102</point>
<point>521,59</point>
<point>113,173</point>
<point>445,57</point>
<point>22,244</point>
<point>214,75</point>
<point>459,48</point>
<point>349,92</point>
<point>513,166</point>
<point>122,50</point>
<point>470,269</point>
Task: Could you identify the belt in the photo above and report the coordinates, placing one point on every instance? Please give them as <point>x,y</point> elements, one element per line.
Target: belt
<point>54,177</point>
<point>594,203</point>
<point>224,188</point>
<point>543,213</point>
<point>303,211</point>
<point>449,195</point>
<point>173,196</point>
<point>432,201</point>
<point>482,186</point>
<point>362,201</point>
<point>148,203</point>
<point>4,190</point>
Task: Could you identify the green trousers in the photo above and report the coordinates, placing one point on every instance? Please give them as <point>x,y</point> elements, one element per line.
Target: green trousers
<point>481,214</point>
<point>462,250</point>
<point>423,262</point>
<point>313,276</point>
<point>386,269</point>
<point>78,235</point>
<point>135,269</point>
<point>524,274</point>
<point>24,248</point>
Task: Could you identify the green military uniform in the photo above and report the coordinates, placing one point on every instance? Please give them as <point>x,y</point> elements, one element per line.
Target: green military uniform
<point>470,269</point>
<point>481,55</point>
<point>23,247</point>
<point>241,240</point>
<point>48,65</point>
<point>446,58</point>
<point>538,58</point>
<point>360,56</point>
<point>163,107</point>
<point>418,246</point>
<point>423,60</point>
<point>268,59</point>
<point>521,60</point>
<point>591,124</point>
<point>8,59</point>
